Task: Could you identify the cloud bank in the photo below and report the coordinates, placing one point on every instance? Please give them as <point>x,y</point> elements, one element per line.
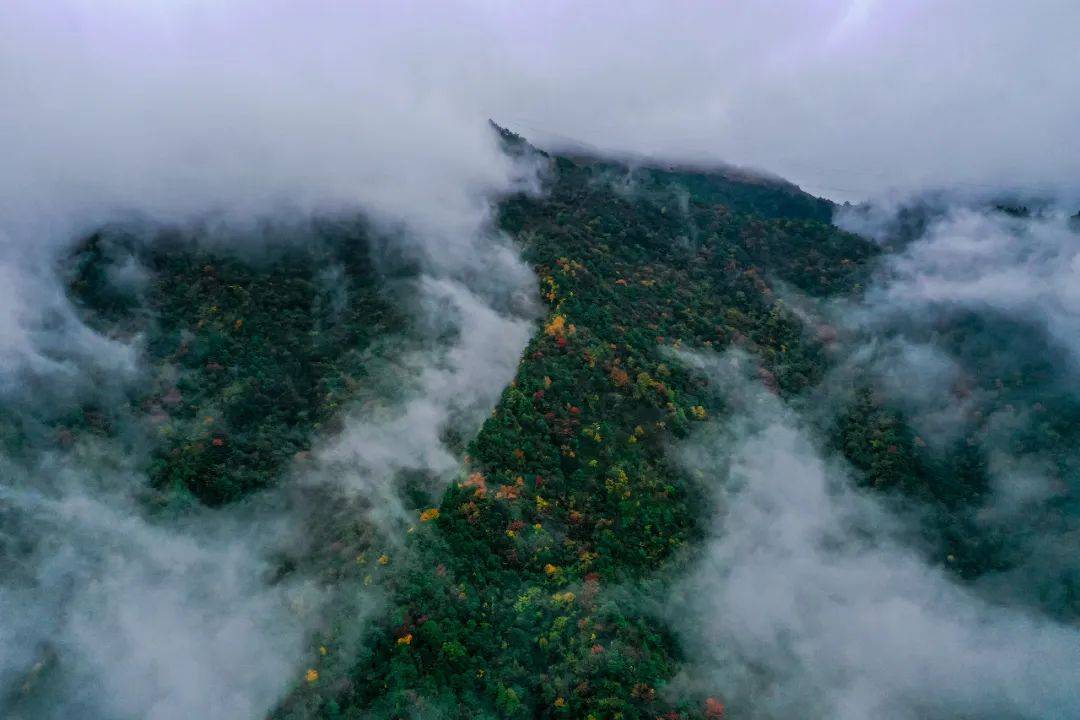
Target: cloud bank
<point>811,599</point>
<point>226,116</point>
<point>1024,267</point>
<point>850,98</point>
<point>970,330</point>
<point>807,605</point>
<point>107,614</point>
<point>446,389</point>
<point>188,104</point>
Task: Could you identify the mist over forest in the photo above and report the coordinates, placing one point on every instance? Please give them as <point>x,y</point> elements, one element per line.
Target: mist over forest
<point>626,361</point>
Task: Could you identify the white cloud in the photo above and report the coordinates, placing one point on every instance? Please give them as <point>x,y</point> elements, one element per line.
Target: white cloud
<point>804,604</point>
<point>849,99</point>
<point>449,388</point>
<point>236,112</point>
<point>108,615</point>
<point>1022,267</point>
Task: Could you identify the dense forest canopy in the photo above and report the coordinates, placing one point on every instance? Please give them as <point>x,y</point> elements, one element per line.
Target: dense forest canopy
<point>528,560</point>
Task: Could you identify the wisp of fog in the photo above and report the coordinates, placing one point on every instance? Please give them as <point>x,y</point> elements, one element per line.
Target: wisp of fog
<point>174,115</point>
<point>807,604</point>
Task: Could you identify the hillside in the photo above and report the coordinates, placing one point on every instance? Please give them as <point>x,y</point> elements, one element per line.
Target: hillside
<point>535,580</point>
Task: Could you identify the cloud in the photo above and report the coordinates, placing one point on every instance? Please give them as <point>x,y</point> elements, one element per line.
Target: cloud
<point>806,604</point>
<point>109,615</point>
<point>1027,268</point>
<point>171,108</point>
<point>181,111</point>
<point>970,329</point>
<point>236,117</point>
<point>115,612</point>
<point>449,388</point>
<point>809,599</point>
<point>241,107</point>
<point>851,99</point>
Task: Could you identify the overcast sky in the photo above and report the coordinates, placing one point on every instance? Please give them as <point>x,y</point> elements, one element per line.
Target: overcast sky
<point>848,98</point>
<point>186,102</point>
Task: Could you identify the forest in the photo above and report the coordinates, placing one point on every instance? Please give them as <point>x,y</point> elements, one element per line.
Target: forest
<point>531,582</point>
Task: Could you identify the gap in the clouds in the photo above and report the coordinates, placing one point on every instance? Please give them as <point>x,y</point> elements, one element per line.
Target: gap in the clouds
<point>251,351</point>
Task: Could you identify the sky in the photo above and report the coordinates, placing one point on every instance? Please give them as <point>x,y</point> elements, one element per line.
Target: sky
<point>851,99</point>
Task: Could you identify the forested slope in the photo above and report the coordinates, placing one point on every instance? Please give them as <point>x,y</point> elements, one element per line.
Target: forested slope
<point>533,591</point>
<point>533,585</point>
